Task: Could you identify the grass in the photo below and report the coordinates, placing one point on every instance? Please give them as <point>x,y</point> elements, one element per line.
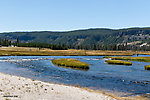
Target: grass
<point>28,51</point>
<point>71,63</point>
<point>142,59</point>
<point>147,67</point>
<point>118,62</point>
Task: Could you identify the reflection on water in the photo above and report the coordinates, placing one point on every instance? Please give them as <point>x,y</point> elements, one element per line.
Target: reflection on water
<point>120,78</point>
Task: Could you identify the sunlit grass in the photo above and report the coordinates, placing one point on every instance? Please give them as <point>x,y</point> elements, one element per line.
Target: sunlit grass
<point>28,51</point>
<point>71,63</point>
<point>142,59</point>
<point>118,62</point>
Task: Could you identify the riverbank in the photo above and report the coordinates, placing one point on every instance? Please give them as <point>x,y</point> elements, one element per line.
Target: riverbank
<point>20,88</point>
<point>26,51</point>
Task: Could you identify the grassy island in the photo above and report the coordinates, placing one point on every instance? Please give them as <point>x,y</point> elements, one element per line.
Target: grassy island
<point>147,67</point>
<point>118,62</point>
<point>142,59</point>
<point>71,63</point>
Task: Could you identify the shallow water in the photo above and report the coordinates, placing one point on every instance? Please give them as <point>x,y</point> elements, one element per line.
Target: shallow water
<point>110,78</point>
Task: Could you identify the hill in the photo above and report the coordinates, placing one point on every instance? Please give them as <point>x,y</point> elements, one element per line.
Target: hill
<point>100,36</point>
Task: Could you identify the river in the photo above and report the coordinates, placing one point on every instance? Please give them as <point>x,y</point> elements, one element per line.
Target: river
<point>121,80</point>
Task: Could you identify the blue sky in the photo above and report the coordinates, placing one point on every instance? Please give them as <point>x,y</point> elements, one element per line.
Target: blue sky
<point>61,15</point>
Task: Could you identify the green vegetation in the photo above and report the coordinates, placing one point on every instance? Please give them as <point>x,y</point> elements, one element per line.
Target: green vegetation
<point>43,45</point>
<point>142,59</point>
<point>147,67</point>
<point>71,63</point>
<point>89,39</point>
<point>118,62</point>
<point>6,42</point>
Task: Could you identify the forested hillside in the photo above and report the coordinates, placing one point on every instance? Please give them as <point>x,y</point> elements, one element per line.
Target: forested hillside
<point>87,37</point>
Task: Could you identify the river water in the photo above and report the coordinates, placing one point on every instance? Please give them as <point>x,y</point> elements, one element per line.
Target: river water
<point>119,79</point>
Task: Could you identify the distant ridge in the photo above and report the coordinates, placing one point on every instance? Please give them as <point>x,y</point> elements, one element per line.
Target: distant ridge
<point>83,29</point>
<point>101,36</point>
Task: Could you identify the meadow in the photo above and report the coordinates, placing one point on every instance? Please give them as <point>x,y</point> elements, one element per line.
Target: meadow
<point>26,51</point>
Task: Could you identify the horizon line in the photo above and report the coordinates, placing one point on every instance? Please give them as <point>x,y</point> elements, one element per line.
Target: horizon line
<point>72,29</point>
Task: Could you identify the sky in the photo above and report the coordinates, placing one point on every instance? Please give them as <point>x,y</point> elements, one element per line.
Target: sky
<point>65,15</point>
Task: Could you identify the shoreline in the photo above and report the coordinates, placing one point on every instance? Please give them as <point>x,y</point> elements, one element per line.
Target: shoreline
<point>20,88</point>
<point>14,87</point>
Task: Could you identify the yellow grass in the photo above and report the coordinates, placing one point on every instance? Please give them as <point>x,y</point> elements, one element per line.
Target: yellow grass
<point>25,51</point>
<point>71,63</point>
<point>142,59</point>
<point>118,62</point>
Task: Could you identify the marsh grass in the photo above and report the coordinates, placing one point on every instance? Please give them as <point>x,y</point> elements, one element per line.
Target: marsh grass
<point>142,59</point>
<point>118,62</point>
<point>71,63</point>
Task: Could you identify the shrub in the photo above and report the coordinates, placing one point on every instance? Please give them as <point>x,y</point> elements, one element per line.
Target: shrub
<point>147,67</point>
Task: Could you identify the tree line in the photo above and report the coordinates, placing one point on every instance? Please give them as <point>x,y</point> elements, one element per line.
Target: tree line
<point>43,45</point>
<point>6,42</point>
<point>112,47</point>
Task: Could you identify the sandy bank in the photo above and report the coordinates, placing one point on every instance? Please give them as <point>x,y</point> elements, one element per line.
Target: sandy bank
<point>20,88</point>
